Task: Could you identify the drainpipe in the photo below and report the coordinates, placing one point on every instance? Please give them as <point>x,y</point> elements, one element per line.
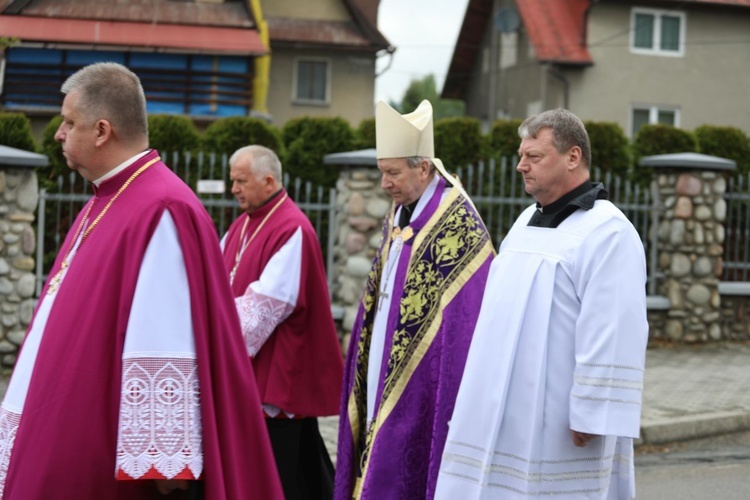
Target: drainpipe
<point>390,50</point>
<point>555,72</point>
<point>492,77</point>
<point>262,63</point>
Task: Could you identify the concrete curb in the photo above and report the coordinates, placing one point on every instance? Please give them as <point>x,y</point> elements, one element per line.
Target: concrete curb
<point>694,427</point>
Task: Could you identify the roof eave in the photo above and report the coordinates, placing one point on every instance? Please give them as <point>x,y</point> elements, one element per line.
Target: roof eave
<point>305,45</point>
<point>567,62</point>
<point>371,32</point>
<point>116,33</point>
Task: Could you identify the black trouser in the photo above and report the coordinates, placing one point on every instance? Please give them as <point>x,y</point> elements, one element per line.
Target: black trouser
<point>195,491</point>
<point>304,466</point>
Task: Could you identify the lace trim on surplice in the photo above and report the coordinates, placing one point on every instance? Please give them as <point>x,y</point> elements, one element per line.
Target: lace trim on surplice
<point>259,317</point>
<point>9,421</point>
<point>160,422</point>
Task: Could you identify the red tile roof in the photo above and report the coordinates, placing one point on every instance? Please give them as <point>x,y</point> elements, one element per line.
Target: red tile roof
<point>556,29</point>
<point>359,34</point>
<point>202,39</point>
<point>227,14</point>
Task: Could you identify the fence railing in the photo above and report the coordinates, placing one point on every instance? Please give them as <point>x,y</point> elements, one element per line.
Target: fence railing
<point>495,187</point>
<point>737,242</point>
<point>497,190</point>
<point>59,204</point>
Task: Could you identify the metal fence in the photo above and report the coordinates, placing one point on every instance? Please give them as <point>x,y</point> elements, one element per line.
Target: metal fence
<point>737,242</point>
<point>499,195</point>
<point>495,187</point>
<point>60,203</point>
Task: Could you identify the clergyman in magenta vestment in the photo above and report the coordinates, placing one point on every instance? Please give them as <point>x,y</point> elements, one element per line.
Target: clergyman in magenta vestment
<point>66,441</point>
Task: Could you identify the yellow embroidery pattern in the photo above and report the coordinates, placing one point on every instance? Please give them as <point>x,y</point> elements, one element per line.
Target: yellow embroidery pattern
<point>445,253</point>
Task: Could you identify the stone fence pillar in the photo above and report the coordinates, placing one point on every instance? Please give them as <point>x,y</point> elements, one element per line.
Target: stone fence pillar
<point>19,194</point>
<point>690,188</point>
<point>361,205</point>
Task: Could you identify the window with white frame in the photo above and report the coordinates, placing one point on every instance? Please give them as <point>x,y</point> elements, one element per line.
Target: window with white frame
<point>657,32</point>
<point>312,81</point>
<point>646,115</point>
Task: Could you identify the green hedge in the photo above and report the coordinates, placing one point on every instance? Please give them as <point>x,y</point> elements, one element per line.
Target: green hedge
<point>365,134</point>
<point>302,142</point>
<point>173,133</point>
<point>504,140</point>
<point>459,142</point>
<point>663,139</point>
<point>725,142</point>
<point>308,140</point>
<point>659,139</point>
<point>610,149</point>
<point>53,150</point>
<point>15,131</point>
<point>227,135</point>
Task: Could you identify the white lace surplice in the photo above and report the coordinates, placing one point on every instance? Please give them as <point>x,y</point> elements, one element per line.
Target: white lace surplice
<point>271,299</point>
<point>160,423</point>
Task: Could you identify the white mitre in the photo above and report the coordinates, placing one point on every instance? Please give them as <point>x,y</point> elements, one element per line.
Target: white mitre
<point>404,136</point>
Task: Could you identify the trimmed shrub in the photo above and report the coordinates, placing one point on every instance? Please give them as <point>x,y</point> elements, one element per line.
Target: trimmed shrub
<point>610,148</point>
<point>227,135</point>
<point>659,139</point>
<point>53,150</point>
<point>504,139</point>
<point>15,131</point>
<point>172,133</point>
<point>725,142</point>
<point>365,134</point>
<point>308,140</point>
<point>459,142</point>
<point>295,127</point>
<point>663,139</point>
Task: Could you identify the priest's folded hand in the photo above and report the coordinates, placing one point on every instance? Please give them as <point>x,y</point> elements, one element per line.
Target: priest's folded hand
<point>581,439</point>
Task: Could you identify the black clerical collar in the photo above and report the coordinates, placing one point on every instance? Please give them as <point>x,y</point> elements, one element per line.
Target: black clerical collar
<point>406,212</point>
<point>583,197</point>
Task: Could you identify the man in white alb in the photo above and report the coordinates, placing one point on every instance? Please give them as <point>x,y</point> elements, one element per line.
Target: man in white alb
<point>550,400</point>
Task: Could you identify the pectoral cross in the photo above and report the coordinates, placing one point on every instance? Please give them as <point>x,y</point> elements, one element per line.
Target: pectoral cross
<point>57,279</point>
<point>234,271</point>
<point>383,296</point>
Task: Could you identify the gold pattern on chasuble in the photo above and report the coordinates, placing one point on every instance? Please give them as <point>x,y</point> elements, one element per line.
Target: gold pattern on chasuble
<point>357,405</point>
<point>441,251</point>
<point>444,252</point>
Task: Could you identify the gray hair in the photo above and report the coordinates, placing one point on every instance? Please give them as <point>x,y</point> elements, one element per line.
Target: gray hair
<point>112,92</point>
<point>264,160</point>
<point>414,161</point>
<point>567,131</point>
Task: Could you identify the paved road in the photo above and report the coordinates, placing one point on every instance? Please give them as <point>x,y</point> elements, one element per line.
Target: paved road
<point>711,468</point>
<point>329,428</point>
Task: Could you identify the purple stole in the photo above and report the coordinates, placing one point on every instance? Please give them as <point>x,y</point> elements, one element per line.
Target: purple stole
<point>441,275</point>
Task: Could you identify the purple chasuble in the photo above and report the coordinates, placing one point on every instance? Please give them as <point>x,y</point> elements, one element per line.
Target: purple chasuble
<point>65,445</point>
<point>438,288</point>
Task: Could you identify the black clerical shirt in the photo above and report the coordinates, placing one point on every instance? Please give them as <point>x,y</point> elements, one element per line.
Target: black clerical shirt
<point>583,197</point>
<point>405,217</point>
